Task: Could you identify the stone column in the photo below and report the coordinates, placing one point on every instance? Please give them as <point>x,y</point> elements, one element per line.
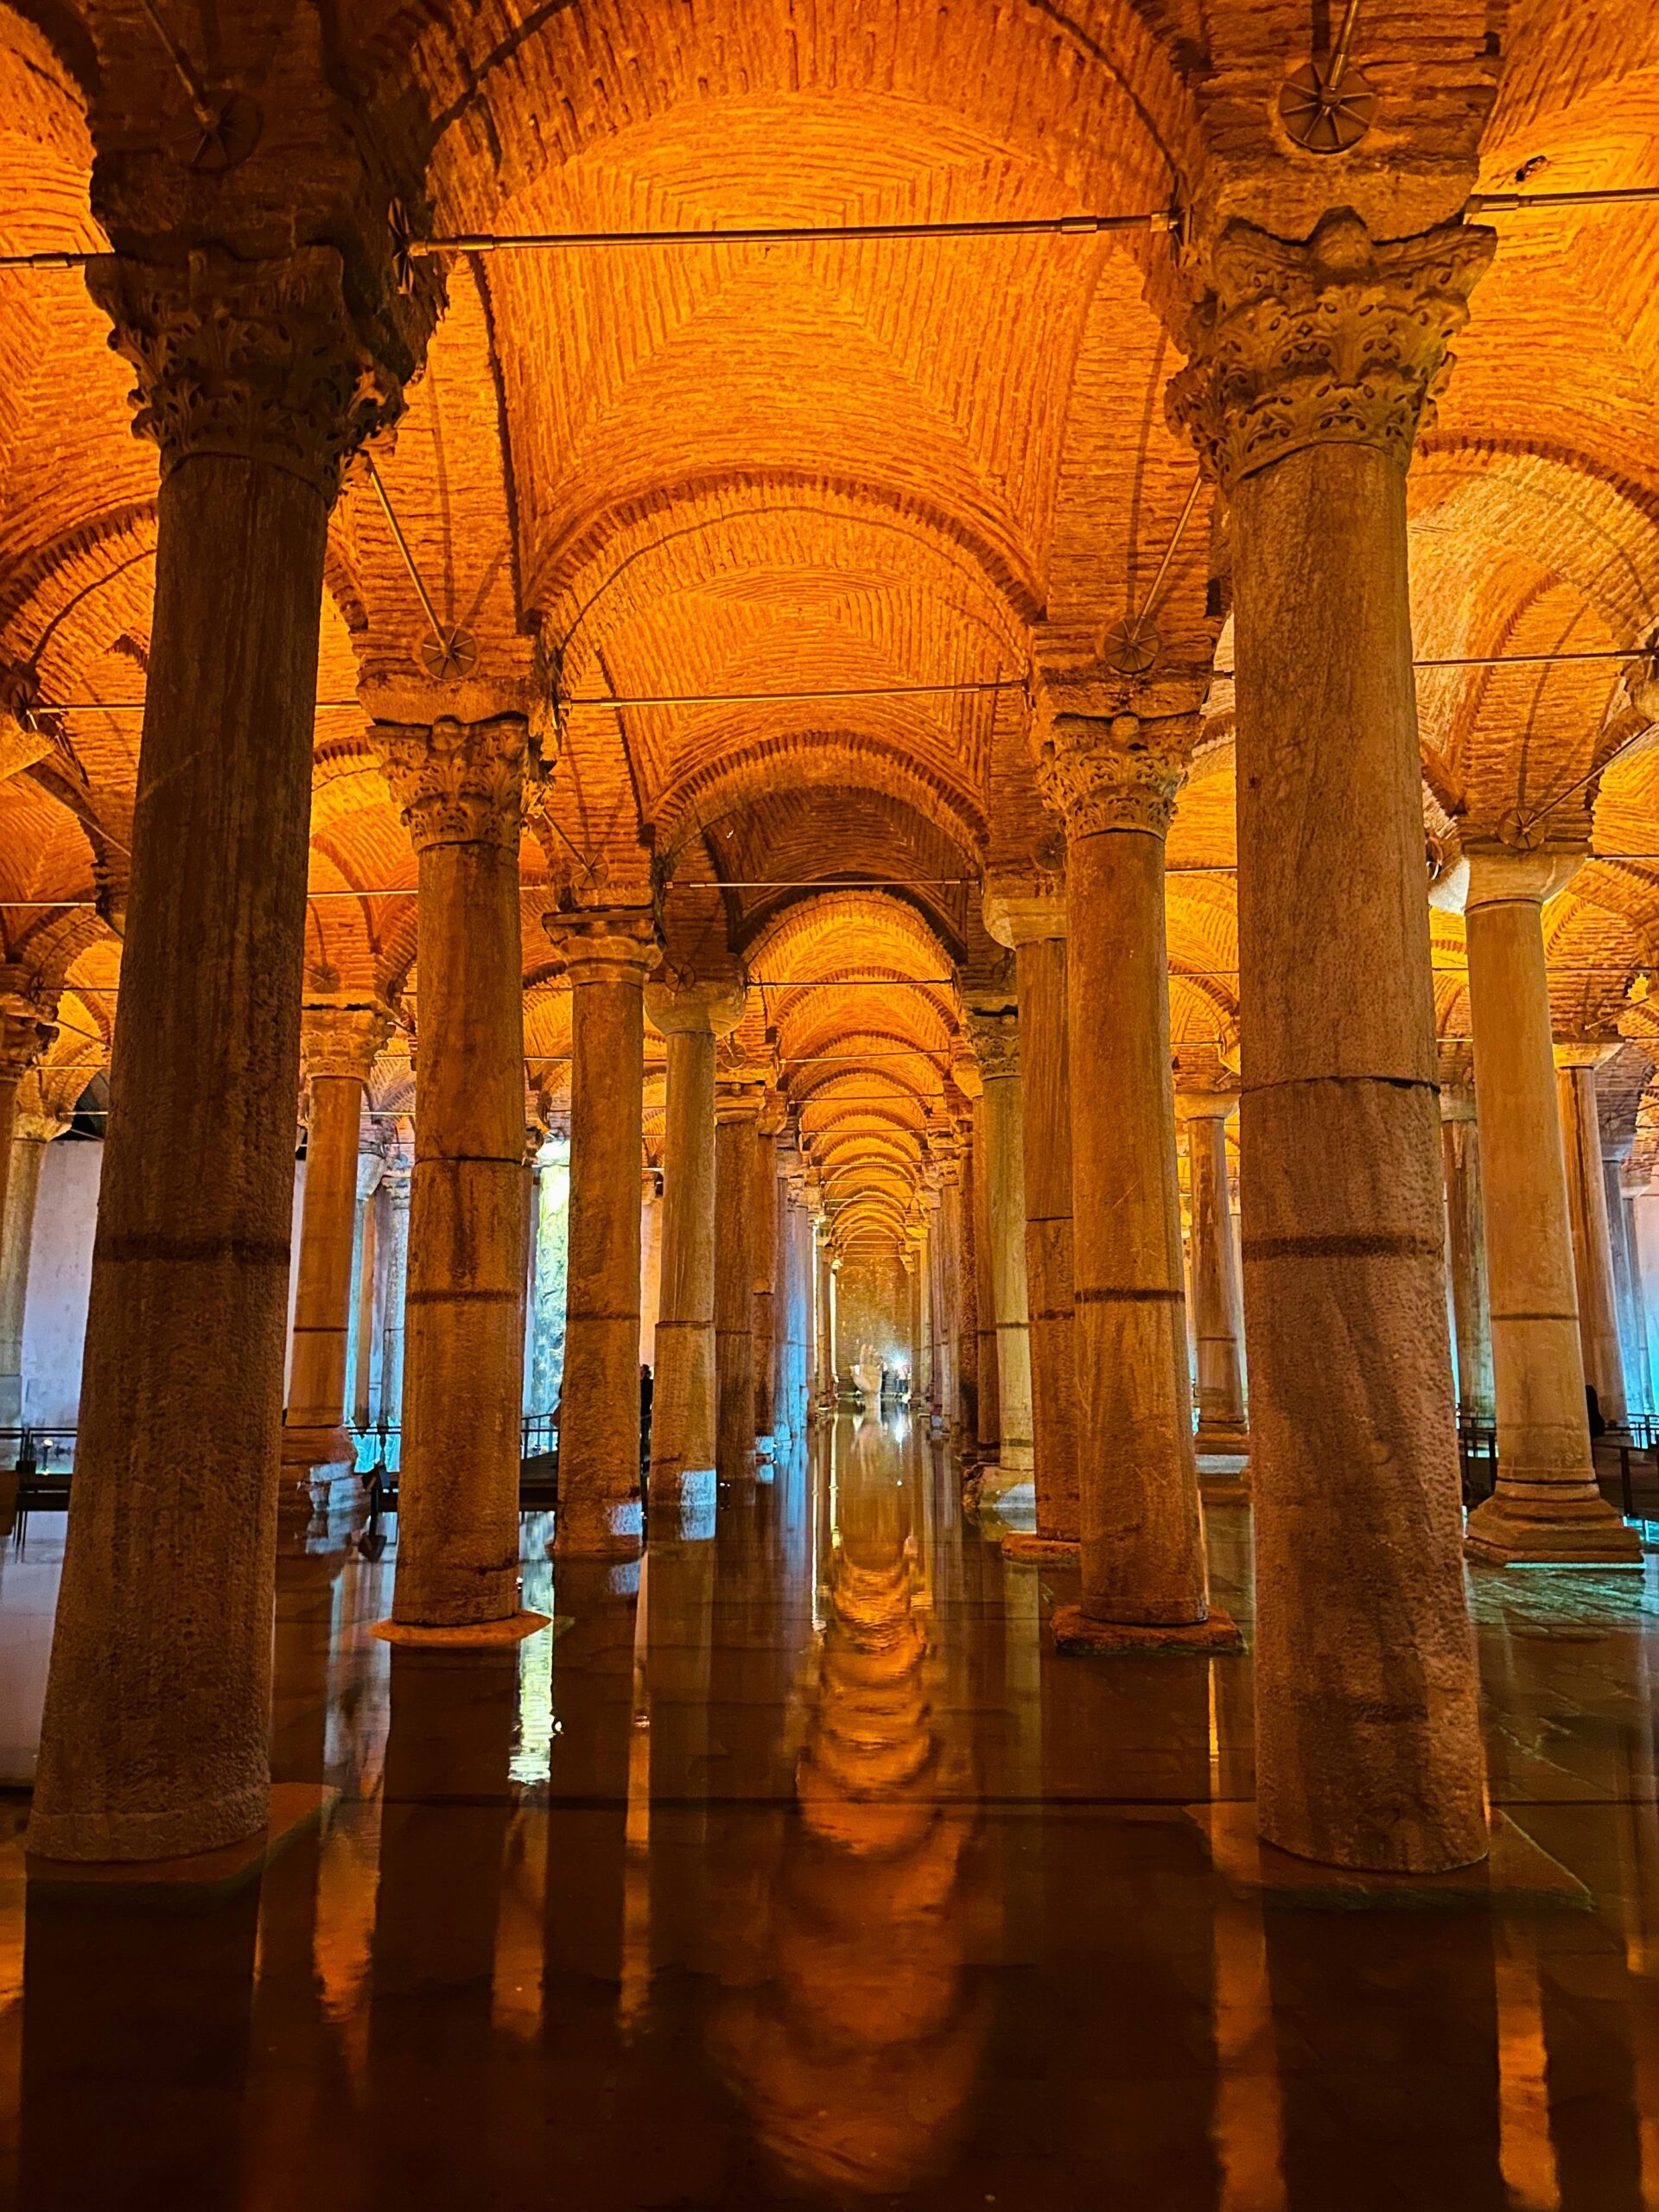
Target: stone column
<point>338,1045</point>
<point>370,1273</point>
<point>824,1317</point>
<point>1621,1191</point>
<point>932,1244</point>
<point>1471,1309</point>
<point>34,1127</point>
<point>27,1030</point>
<point>394,1183</point>
<point>1144,1578</point>
<point>458,787</point>
<point>1311,362</point>
<point>737,1104</point>
<point>1576,1063</point>
<point>787,1177</point>
<point>763,1251</point>
<point>801,1307</point>
<point>996,1040</point>
<point>691,1015</point>
<point>1217,1295</point>
<point>1546,1505</point>
<point>605,956</point>
<point>988,1412</point>
<point>651,1266</point>
<point>1033,920</point>
<point>256,384</point>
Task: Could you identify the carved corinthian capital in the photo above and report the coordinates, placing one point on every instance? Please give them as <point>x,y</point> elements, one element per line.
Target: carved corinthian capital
<point>604,944</point>
<point>1338,341</point>
<point>342,1040</point>
<point>456,783</point>
<point>996,1040</point>
<point>261,360</point>
<point>1121,774</point>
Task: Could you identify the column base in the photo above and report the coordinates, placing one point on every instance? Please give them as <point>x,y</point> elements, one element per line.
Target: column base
<point>307,1446</point>
<point>1028,1550</point>
<point>1577,1532</point>
<point>473,1636</point>
<point>197,1878</point>
<point>1215,1441</point>
<point>1077,1637</point>
<point>1517,1875</point>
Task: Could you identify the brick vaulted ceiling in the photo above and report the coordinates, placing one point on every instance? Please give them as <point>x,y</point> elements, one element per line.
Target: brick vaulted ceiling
<point>738,470</point>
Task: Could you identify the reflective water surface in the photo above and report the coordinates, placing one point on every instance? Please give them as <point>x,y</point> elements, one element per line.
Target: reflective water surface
<point>797,1868</point>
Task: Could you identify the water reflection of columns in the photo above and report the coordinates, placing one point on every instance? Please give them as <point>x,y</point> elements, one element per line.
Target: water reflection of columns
<point>446,1806</point>
<point>855,2047</point>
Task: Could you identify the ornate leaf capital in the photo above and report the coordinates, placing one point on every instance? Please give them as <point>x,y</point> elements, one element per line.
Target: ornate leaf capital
<point>261,360</point>
<point>1338,340</point>
<point>1121,774</point>
<point>604,944</point>
<point>996,1040</point>
<point>456,783</point>
<point>337,1040</point>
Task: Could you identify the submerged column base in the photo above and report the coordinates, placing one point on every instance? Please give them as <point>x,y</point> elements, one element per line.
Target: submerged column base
<point>1554,1527</point>
<point>476,1636</point>
<point>1078,1636</point>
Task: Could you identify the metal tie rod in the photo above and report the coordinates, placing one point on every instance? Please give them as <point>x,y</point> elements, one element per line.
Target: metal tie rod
<point>1157,218</point>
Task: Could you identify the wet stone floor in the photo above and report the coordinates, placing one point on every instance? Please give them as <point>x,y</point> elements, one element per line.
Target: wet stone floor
<point>797,1868</point>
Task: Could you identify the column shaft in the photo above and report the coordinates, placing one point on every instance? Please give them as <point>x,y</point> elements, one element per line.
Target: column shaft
<point>682,1409</point>
<point>312,1430</point>
<point>464,1338</point>
<point>1217,1294</point>
<point>736,1109</point>
<point>16,1243</point>
<point>650,1268</point>
<point>598,1420</point>
<point>1592,1250</point>
<point>172,1532</point>
<point>1046,1112</point>
<point>1471,1310</point>
<point>1368,1742</point>
<point>989,1410</point>
<point>1143,1562</point>
<point>1546,1504</point>
<point>1005,1174</point>
<point>763,1247</point>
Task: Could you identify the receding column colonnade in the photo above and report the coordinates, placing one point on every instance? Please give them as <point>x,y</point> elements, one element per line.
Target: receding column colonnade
<point>1031,1236</point>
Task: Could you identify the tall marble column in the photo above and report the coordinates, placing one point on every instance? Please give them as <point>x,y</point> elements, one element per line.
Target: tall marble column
<point>737,1105</point>
<point>650,1264</point>
<point>1622,1189</point>
<point>1546,1505</point>
<point>395,1185</point>
<point>1032,917</point>
<point>763,1252</point>
<point>27,1028</point>
<point>1311,362</point>
<point>1466,1245</point>
<point>172,1531</point>
<point>605,956</point>
<point>804,1261</point>
<point>338,1045</point>
<point>458,787</point>
<point>1576,1063</point>
<point>989,1406</point>
<point>996,1040</point>
<point>1113,780</point>
<point>787,1177</point>
<point>691,1015</point>
<point>824,1315</point>
<point>1217,1294</point>
<point>371,1284</point>
<point>34,1127</point>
